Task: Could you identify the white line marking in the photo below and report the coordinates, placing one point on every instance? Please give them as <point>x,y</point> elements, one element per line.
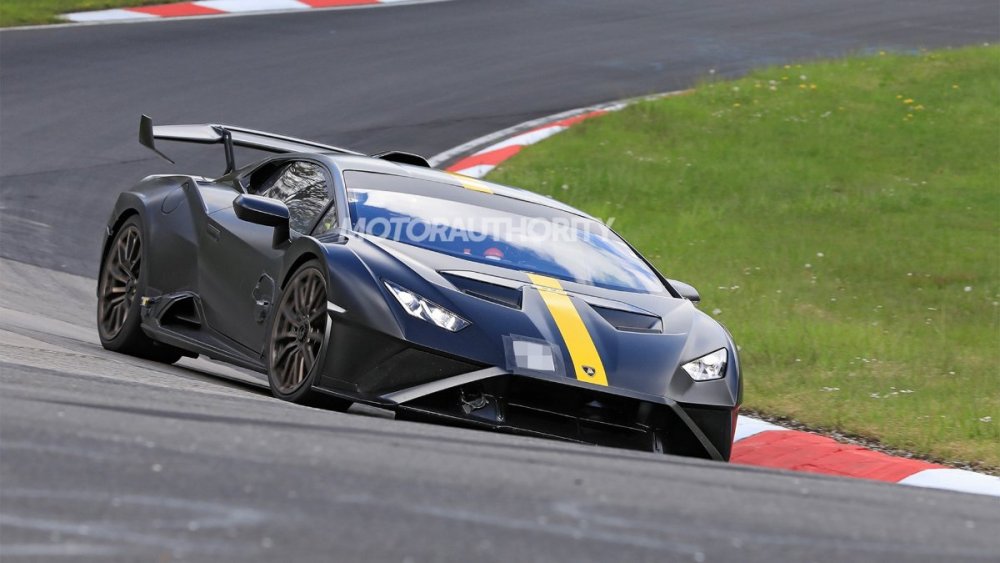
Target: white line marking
<point>477,171</point>
<point>108,16</point>
<point>955,480</point>
<point>746,427</point>
<point>525,139</point>
<point>237,6</point>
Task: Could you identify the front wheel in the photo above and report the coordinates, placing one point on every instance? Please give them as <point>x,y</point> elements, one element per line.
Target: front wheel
<point>299,340</point>
<point>119,292</point>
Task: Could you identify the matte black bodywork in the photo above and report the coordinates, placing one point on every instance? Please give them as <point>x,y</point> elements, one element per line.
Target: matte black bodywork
<point>213,278</point>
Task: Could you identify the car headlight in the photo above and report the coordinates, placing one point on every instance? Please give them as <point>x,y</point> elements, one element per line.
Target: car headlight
<point>708,367</point>
<point>426,309</point>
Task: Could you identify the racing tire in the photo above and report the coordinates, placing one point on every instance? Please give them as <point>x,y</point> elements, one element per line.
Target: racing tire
<point>299,340</point>
<point>120,288</point>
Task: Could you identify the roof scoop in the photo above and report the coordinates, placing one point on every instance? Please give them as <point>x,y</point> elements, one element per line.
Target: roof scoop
<point>403,158</point>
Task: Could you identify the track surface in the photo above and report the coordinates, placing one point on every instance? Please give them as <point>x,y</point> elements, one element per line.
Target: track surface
<point>104,456</point>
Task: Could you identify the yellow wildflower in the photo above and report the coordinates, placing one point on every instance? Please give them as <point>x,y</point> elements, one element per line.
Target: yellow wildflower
<point>736,105</point>
<point>812,86</point>
<point>908,101</point>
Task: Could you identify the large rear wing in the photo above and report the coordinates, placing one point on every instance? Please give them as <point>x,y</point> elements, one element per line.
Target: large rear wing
<point>229,137</point>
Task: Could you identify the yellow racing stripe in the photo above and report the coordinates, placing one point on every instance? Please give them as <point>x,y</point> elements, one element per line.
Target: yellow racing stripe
<point>473,184</point>
<point>587,363</point>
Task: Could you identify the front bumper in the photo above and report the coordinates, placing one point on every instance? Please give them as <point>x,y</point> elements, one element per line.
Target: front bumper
<point>572,411</point>
<point>374,368</point>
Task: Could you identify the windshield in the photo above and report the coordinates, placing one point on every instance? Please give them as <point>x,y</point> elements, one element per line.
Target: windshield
<point>496,230</point>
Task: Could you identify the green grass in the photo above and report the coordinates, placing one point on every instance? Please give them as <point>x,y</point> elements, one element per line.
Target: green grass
<point>30,12</point>
<point>842,219</point>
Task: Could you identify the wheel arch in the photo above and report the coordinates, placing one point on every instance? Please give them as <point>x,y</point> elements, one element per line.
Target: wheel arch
<point>295,260</point>
<point>351,284</point>
<point>114,226</point>
<point>128,206</point>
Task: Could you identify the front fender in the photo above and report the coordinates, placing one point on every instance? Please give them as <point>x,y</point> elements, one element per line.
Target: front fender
<point>351,286</point>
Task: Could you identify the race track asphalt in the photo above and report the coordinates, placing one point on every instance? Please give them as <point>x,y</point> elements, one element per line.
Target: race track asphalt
<point>107,457</point>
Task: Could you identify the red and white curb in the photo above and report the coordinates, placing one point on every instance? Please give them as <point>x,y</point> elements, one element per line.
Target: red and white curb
<point>767,445</point>
<point>485,159</point>
<point>756,442</point>
<point>214,8</point>
<point>479,156</point>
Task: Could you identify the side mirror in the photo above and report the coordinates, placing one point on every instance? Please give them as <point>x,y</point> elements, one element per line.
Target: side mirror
<point>687,292</point>
<point>264,211</point>
<point>261,210</point>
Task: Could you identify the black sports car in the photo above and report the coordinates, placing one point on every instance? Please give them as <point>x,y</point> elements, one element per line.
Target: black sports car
<point>377,279</point>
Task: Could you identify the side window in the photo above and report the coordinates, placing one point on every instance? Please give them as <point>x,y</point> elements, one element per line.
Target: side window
<point>302,187</point>
<point>328,222</point>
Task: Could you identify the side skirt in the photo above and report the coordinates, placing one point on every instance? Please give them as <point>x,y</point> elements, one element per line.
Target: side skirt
<point>191,333</point>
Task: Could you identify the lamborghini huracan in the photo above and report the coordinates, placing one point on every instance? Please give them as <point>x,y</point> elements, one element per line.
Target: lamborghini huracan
<point>376,279</point>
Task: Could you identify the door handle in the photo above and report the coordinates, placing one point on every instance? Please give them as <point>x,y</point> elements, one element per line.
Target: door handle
<point>213,232</point>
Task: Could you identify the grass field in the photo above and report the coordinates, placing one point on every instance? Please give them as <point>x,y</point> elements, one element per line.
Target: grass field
<point>29,12</point>
<point>842,219</point>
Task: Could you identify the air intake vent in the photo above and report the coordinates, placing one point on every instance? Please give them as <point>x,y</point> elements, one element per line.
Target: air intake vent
<point>630,322</point>
<point>498,294</point>
<point>181,312</point>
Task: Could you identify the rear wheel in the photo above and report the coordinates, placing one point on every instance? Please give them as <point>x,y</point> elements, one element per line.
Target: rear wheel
<point>119,292</point>
<point>299,340</point>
